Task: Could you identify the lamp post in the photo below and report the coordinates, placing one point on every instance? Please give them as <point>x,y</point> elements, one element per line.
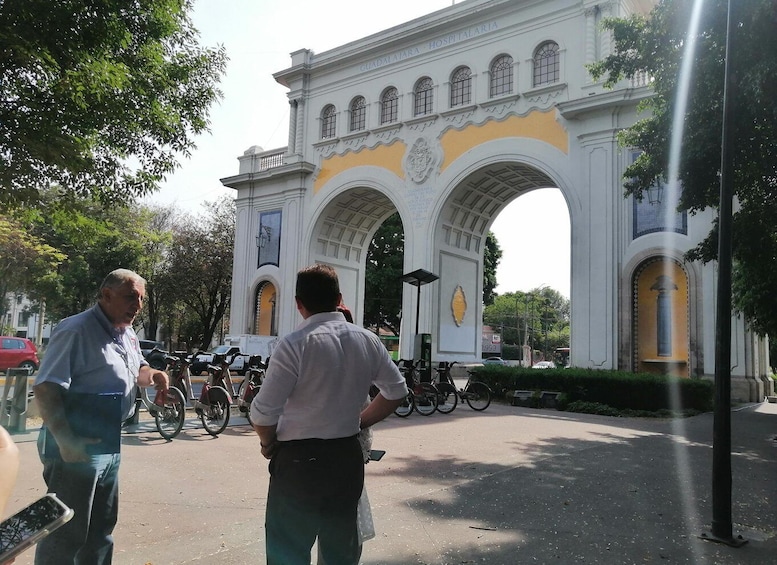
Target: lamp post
<point>722,526</point>
<point>418,278</point>
<point>263,236</point>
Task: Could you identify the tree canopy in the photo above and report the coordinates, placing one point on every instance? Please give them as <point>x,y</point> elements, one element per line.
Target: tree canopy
<point>99,97</point>
<point>656,45</point>
<point>538,318</point>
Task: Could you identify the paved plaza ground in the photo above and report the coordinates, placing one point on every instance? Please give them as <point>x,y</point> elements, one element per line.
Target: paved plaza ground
<point>506,486</point>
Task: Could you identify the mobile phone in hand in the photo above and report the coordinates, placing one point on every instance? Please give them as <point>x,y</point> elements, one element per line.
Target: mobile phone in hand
<point>30,525</point>
<point>376,454</point>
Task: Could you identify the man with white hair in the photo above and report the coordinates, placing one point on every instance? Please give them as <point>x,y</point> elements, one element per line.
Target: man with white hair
<point>85,389</point>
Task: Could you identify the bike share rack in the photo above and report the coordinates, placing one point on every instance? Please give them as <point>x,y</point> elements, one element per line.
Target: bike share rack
<point>13,412</point>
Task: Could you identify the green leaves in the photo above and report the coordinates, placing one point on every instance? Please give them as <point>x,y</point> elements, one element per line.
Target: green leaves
<point>100,98</point>
<point>655,45</point>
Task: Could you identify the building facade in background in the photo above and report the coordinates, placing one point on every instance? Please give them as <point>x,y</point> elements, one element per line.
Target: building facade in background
<point>19,319</point>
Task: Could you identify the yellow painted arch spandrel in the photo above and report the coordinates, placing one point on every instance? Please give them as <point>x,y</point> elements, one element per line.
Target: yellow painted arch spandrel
<point>536,125</point>
<point>387,157</point>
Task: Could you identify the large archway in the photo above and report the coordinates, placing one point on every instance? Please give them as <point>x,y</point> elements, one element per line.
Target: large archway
<point>450,127</point>
<point>462,226</point>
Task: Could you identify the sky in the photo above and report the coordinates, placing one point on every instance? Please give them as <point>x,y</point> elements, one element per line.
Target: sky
<point>258,36</point>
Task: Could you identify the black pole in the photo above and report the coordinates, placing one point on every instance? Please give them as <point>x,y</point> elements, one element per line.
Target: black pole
<point>721,446</point>
<point>418,308</point>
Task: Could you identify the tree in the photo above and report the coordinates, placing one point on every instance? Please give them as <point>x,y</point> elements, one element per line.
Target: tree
<point>99,98</point>
<point>491,257</point>
<point>539,318</point>
<point>26,261</point>
<point>383,276</point>
<point>656,45</point>
<point>92,240</point>
<point>155,230</point>
<point>199,270</point>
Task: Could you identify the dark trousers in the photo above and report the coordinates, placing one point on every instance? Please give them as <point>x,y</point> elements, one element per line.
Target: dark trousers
<point>92,491</point>
<point>315,487</point>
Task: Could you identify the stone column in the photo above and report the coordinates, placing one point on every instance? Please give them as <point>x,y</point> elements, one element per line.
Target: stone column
<point>292,145</point>
<point>590,34</point>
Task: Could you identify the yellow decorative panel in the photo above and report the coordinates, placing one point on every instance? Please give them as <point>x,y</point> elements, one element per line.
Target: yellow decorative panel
<point>537,125</point>
<point>458,305</point>
<point>266,310</point>
<point>662,300</point>
<point>388,157</point>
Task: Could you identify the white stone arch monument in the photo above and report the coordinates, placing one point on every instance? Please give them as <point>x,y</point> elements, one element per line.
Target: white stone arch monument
<point>449,159</point>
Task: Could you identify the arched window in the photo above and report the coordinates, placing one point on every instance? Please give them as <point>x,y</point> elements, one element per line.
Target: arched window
<point>461,87</point>
<point>358,113</point>
<point>501,76</point>
<point>328,122</point>
<point>389,106</point>
<point>424,97</point>
<point>546,64</point>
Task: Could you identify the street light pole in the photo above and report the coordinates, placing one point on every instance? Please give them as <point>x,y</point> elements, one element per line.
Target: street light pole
<point>722,526</point>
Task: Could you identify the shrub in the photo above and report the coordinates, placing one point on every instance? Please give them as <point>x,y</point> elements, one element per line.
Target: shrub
<point>617,389</point>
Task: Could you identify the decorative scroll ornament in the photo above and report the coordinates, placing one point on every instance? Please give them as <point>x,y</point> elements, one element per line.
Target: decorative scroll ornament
<point>420,161</point>
<point>459,305</point>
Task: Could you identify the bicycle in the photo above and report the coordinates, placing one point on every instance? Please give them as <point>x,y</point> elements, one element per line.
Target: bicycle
<point>251,384</point>
<point>422,397</point>
<point>216,396</point>
<point>168,408</point>
<point>214,403</point>
<point>474,393</point>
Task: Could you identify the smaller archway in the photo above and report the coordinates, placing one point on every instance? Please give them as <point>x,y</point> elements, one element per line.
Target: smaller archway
<point>660,318</point>
<point>265,311</point>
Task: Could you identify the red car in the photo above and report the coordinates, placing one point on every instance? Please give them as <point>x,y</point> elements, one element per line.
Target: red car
<point>18,352</point>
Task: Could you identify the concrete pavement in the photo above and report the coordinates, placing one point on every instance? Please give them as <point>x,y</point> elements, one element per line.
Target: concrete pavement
<point>506,486</point>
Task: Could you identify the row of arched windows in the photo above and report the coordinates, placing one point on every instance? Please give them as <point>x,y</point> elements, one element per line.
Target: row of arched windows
<point>546,71</point>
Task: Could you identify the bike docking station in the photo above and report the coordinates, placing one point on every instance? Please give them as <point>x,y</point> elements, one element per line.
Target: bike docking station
<point>13,411</point>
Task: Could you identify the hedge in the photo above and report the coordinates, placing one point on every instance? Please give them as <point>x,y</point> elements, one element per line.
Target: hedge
<point>619,389</point>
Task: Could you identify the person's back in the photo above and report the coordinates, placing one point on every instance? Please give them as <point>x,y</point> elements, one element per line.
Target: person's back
<point>308,413</point>
<point>332,364</point>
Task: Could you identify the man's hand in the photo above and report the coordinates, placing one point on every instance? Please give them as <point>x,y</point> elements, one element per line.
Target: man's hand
<point>73,450</point>
<point>268,450</point>
<point>267,439</point>
<point>153,377</point>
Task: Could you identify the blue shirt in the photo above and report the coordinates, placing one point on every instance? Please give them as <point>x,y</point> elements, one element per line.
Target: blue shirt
<point>86,354</point>
<point>319,376</point>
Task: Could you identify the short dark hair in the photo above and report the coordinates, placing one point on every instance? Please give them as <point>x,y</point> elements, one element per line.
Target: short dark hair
<point>318,288</point>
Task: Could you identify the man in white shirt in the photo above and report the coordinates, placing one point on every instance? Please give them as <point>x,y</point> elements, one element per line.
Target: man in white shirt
<point>308,413</point>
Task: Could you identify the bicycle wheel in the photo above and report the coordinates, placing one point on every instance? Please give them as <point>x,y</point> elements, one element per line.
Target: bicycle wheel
<point>249,398</point>
<point>215,416</point>
<point>404,409</point>
<point>425,398</point>
<point>171,415</point>
<point>240,391</point>
<point>478,396</point>
<point>447,399</point>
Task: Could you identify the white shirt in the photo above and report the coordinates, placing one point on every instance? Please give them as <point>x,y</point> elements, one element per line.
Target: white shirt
<point>319,376</point>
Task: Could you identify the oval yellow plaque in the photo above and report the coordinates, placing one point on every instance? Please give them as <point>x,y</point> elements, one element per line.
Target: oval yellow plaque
<point>459,305</point>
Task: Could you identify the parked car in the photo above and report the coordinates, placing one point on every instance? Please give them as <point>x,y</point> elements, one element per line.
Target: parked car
<point>18,352</point>
<point>494,361</point>
<point>154,358</point>
<point>544,365</point>
<point>239,364</point>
